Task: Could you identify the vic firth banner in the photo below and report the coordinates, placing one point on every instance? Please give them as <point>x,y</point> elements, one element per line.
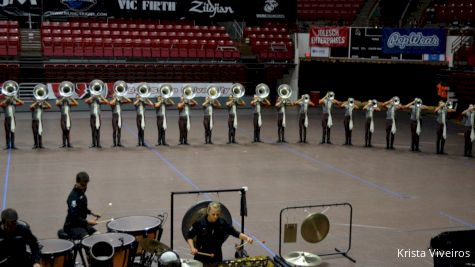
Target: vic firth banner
<point>328,36</point>
<point>19,8</point>
<point>413,41</point>
<point>144,8</point>
<point>74,8</point>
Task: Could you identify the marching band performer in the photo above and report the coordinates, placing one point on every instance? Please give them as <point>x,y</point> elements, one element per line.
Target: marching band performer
<point>260,98</point>
<point>370,108</point>
<point>184,124</point>
<point>10,90</point>
<point>327,121</point>
<point>304,103</point>
<point>210,232</point>
<point>469,117</point>
<point>284,91</point>
<point>118,98</point>
<point>349,106</point>
<point>442,111</point>
<point>163,101</point>
<point>234,100</point>
<point>40,104</point>
<point>210,103</point>
<point>392,106</point>
<point>65,103</point>
<point>416,107</point>
<point>95,101</point>
<point>140,102</point>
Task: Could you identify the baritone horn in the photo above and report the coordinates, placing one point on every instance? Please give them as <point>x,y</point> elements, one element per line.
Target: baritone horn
<point>213,92</point>
<point>284,91</point>
<point>143,90</point>
<point>166,91</point>
<point>66,89</point>
<point>262,91</point>
<point>189,92</point>
<point>40,92</point>
<point>10,88</point>
<point>120,88</point>
<point>237,90</point>
<point>449,104</point>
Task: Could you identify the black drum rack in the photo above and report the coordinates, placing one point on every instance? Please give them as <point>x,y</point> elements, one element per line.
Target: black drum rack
<point>243,209</point>
<point>341,252</point>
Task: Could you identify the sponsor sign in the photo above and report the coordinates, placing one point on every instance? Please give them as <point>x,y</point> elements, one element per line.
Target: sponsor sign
<point>19,8</point>
<point>320,51</point>
<point>413,41</point>
<point>74,8</point>
<point>328,36</point>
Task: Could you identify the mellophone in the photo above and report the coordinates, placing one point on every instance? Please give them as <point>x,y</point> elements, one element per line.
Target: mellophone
<point>124,235</point>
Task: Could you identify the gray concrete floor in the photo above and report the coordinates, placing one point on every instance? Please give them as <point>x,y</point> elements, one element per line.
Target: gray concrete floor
<point>400,198</point>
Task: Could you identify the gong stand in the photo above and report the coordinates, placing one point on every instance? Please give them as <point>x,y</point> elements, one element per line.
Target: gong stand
<point>243,210</point>
<point>343,253</point>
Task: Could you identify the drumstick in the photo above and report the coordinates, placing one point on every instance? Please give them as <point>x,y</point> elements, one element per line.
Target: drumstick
<point>104,209</point>
<point>105,221</point>
<point>205,254</point>
<point>243,244</point>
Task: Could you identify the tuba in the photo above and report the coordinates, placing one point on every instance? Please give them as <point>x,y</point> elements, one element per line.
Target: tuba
<point>66,89</point>
<point>10,88</point>
<point>284,91</point>
<point>262,91</point>
<point>120,88</point>
<point>331,95</point>
<point>351,101</point>
<point>166,91</point>
<point>188,92</point>
<point>306,97</point>
<point>418,102</point>
<point>40,92</point>
<point>143,90</point>
<point>213,92</point>
<point>96,87</point>
<point>237,90</point>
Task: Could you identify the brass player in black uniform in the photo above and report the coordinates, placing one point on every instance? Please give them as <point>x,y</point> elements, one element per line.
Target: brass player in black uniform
<point>210,233</point>
<point>234,100</point>
<point>10,90</point>
<point>65,103</point>
<point>118,99</point>
<point>40,92</point>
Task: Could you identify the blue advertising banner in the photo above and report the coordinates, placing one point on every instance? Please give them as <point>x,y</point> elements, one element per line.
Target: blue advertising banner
<point>413,41</point>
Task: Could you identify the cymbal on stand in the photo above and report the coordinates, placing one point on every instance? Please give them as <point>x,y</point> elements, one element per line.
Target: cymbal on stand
<point>303,259</point>
<point>190,263</point>
<point>315,227</point>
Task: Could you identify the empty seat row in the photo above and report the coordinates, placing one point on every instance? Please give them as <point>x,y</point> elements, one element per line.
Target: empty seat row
<point>8,24</point>
<point>9,31</point>
<point>131,34</point>
<point>147,72</point>
<point>9,72</point>
<point>132,26</point>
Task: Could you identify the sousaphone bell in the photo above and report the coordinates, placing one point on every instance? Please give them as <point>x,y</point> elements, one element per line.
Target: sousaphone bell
<point>10,88</point>
<point>40,92</point>
<point>66,89</point>
<point>237,90</point>
<point>120,88</point>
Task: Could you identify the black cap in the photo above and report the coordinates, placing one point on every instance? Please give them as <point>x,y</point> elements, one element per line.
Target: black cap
<point>9,215</point>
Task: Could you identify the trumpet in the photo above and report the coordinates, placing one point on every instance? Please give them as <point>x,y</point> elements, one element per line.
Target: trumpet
<point>213,92</point>
<point>40,92</point>
<point>120,88</point>
<point>96,87</point>
<point>284,91</point>
<point>166,91</point>
<point>143,90</point>
<point>262,91</point>
<point>237,90</point>
<point>10,88</point>
<point>66,89</point>
<point>189,92</point>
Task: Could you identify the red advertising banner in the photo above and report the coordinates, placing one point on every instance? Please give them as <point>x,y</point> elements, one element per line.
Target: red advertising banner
<point>328,36</point>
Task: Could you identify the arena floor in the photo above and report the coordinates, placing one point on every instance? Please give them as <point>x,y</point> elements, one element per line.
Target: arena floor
<point>400,198</point>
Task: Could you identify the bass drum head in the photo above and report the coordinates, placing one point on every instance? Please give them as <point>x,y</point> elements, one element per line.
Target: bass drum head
<point>197,212</point>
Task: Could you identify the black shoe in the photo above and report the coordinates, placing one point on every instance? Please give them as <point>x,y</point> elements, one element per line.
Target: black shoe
<point>186,143</point>
<point>91,146</point>
<point>13,147</point>
<point>234,142</point>
<point>392,148</point>
<point>41,146</point>
<point>139,144</point>
<point>283,141</point>
<point>417,150</point>
<point>278,141</point>
<point>114,145</point>
<point>70,146</point>
<point>370,145</point>
<point>34,147</point>
<point>211,143</point>
<point>119,144</point>
<point>469,155</point>
<point>158,144</point>
<point>99,146</point>
<point>231,142</point>
<point>330,143</point>
<point>63,146</point>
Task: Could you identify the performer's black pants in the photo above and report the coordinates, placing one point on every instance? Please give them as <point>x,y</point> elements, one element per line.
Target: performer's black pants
<point>389,134</point>
<point>325,129</point>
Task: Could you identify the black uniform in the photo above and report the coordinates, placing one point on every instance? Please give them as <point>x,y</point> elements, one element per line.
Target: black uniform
<point>210,237</point>
<point>76,225</point>
<point>13,247</point>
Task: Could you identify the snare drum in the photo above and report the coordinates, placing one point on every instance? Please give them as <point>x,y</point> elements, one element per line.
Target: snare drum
<point>139,226</point>
<point>56,252</point>
<point>123,244</point>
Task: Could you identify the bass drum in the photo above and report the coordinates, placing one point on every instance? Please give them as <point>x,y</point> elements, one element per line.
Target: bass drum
<point>199,211</point>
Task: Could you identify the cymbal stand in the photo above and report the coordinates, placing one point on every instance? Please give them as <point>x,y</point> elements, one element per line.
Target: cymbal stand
<point>344,253</point>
